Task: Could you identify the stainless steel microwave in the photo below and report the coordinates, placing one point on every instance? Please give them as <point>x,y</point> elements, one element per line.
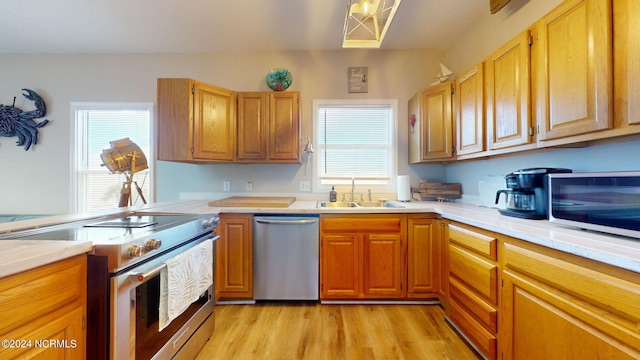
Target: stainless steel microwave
<point>602,201</point>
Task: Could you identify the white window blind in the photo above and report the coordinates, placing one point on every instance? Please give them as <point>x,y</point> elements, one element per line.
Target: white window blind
<point>96,126</point>
<point>355,139</point>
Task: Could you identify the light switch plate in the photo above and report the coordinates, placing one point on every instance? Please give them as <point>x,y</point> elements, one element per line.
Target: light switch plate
<point>305,186</point>
<point>226,186</point>
<point>249,186</point>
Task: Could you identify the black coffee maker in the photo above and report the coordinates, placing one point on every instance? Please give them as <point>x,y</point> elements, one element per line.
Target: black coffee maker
<point>527,194</point>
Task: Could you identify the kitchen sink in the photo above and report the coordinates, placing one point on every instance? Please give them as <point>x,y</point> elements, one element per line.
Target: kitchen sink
<point>358,204</point>
<point>340,204</point>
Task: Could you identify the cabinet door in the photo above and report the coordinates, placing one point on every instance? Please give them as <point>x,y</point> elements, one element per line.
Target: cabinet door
<point>284,125</point>
<point>57,335</point>
<point>573,68</point>
<point>43,304</point>
<point>235,259</point>
<point>175,119</point>
<point>541,330</point>
<point>383,265</point>
<point>470,111</point>
<point>562,307</point>
<point>626,22</point>
<point>422,257</point>
<point>340,266</point>
<point>508,95</point>
<point>253,126</point>
<point>437,122</point>
<point>214,130</point>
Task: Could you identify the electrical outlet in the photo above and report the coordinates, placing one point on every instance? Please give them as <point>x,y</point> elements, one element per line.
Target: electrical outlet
<point>305,186</point>
<point>249,186</point>
<point>226,186</point>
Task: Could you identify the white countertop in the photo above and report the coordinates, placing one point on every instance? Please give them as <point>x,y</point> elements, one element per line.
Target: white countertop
<point>623,252</point>
<point>19,255</point>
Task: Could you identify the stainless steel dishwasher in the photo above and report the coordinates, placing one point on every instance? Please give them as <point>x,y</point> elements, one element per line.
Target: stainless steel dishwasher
<point>286,257</point>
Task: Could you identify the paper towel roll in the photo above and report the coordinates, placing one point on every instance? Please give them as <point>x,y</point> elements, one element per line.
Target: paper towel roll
<point>404,188</point>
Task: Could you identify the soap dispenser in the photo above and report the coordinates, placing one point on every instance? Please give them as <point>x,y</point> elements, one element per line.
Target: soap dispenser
<point>333,195</point>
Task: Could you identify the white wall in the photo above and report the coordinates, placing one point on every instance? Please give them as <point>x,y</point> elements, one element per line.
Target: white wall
<point>39,181</point>
<point>488,34</point>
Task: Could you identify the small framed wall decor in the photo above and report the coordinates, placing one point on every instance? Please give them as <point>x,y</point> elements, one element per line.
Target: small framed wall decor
<point>358,79</point>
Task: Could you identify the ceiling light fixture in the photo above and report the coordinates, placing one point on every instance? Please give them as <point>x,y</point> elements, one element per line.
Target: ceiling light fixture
<point>367,22</point>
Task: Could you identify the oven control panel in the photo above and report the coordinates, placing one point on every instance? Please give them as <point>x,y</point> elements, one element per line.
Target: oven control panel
<point>136,250</point>
<point>152,244</point>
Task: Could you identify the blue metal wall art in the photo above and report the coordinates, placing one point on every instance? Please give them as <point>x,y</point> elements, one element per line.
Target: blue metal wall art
<point>15,122</point>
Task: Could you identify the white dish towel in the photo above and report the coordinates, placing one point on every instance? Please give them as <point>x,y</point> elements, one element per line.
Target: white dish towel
<point>184,279</point>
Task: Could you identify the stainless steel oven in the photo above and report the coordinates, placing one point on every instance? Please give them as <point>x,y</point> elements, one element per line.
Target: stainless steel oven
<point>135,301</point>
<point>124,283</point>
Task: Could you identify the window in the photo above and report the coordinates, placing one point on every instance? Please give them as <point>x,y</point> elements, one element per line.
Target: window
<point>96,124</point>
<point>355,139</point>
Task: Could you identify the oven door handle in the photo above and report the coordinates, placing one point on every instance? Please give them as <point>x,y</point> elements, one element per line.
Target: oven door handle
<point>142,277</point>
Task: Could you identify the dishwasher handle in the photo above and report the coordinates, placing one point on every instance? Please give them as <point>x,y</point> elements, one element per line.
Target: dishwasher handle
<point>287,222</point>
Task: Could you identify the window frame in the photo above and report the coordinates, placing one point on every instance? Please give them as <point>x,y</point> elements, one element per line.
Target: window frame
<point>79,136</point>
<point>392,104</point>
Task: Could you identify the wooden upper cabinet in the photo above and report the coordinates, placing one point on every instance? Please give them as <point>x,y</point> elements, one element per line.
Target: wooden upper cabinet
<point>508,77</point>
<point>470,111</point>
<point>573,46</point>
<point>626,20</point>
<point>431,136</point>
<point>214,120</point>
<point>253,125</point>
<point>196,121</point>
<point>284,127</point>
<point>269,127</point>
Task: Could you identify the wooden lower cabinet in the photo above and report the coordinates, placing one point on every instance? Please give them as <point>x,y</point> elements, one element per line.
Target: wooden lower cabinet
<point>559,306</point>
<point>362,256</point>
<point>473,286</point>
<point>340,266</point>
<point>424,256</point>
<point>44,311</point>
<point>383,261</point>
<point>234,257</point>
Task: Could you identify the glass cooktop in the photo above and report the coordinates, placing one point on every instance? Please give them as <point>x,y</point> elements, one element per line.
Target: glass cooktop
<point>103,230</point>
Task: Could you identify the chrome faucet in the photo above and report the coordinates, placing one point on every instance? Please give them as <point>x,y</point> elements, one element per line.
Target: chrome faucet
<point>353,186</point>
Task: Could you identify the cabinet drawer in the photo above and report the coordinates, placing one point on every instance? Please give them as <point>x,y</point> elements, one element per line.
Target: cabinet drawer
<point>477,273</point>
<point>370,223</point>
<point>38,292</point>
<point>605,301</point>
<point>474,305</point>
<point>484,341</point>
<point>472,240</point>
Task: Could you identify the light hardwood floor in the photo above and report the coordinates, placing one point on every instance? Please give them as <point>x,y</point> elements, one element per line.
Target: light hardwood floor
<point>291,331</point>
